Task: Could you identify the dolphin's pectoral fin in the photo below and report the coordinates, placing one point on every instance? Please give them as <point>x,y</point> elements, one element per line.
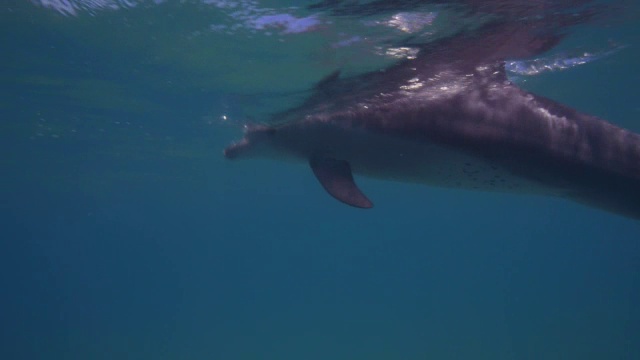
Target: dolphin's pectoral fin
<point>335,177</point>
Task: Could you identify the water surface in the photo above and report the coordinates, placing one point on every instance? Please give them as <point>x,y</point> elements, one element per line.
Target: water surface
<point>125,234</point>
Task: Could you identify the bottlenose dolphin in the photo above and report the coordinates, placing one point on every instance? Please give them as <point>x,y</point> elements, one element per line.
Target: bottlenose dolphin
<point>451,118</point>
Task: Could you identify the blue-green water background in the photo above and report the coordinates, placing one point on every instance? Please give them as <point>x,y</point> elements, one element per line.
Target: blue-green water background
<point>126,235</point>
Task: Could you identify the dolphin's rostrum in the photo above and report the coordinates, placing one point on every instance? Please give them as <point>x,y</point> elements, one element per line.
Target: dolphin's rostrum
<point>451,118</point>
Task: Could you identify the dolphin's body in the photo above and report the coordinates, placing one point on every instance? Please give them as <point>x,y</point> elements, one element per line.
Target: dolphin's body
<point>451,118</point>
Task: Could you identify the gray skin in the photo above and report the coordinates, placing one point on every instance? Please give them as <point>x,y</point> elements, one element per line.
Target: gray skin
<point>451,118</point>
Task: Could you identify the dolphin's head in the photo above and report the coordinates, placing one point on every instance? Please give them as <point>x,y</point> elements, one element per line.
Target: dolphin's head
<point>257,141</point>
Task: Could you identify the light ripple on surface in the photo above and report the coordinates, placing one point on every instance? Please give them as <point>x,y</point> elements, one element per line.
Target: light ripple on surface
<point>556,63</point>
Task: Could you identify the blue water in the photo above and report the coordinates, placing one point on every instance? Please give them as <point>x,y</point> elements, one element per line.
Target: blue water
<point>126,235</point>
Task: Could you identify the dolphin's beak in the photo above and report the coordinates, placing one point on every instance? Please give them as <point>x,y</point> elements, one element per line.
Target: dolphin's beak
<point>233,150</point>
<point>255,138</point>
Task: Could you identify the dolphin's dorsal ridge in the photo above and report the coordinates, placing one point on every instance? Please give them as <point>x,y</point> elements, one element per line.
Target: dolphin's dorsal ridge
<point>336,178</point>
<point>328,80</point>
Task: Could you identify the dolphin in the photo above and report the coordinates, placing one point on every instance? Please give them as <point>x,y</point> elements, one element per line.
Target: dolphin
<point>451,118</point>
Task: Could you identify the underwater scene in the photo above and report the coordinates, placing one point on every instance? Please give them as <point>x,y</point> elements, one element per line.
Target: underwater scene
<point>321,179</point>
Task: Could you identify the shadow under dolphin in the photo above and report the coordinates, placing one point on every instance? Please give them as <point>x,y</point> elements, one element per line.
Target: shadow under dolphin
<point>451,118</point>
